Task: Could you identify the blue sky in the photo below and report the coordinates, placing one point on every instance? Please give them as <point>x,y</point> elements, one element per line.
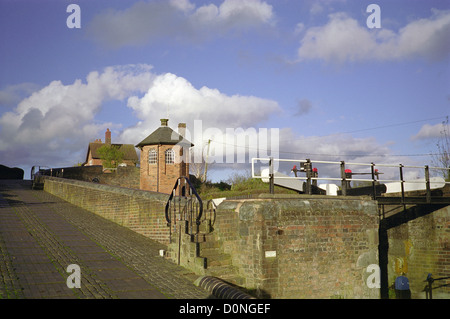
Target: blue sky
<point>333,87</point>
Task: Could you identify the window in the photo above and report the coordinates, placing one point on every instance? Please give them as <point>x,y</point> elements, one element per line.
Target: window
<point>170,156</point>
<point>152,157</point>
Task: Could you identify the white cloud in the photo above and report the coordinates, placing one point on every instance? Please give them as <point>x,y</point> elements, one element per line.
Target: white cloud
<point>332,147</point>
<point>185,103</point>
<point>13,94</point>
<point>58,119</point>
<point>179,19</point>
<point>316,8</point>
<point>336,148</point>
<point>53,125</point>
<point>344,39</point>
<point>428,131</point>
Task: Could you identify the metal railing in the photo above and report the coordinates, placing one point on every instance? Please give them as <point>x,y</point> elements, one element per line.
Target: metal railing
<point>185,206</point>
<point>429,287</point>
<point>345,176</point>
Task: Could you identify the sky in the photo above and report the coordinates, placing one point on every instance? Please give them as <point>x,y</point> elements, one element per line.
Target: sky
<point>327,80</point>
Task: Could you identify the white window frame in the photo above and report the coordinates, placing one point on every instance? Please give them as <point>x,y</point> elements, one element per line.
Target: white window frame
<point>169,156</point>
<point>152,156</point>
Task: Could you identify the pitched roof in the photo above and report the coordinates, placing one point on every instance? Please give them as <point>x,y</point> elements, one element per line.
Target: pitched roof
<point>164,135</point>
<point>127,149</point>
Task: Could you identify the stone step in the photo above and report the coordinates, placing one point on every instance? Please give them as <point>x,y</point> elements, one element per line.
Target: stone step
<point>217,260</point>
<point>212,260</point>
<point>211,244</point>
<point>212,250</point>
<point>222,270</point>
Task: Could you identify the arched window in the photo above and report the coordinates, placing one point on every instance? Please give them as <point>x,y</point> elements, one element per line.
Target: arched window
<point>152,157</point>
<point>170,156</point>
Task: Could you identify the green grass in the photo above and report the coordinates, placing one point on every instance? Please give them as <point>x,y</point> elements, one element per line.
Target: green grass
<point>241,185</point>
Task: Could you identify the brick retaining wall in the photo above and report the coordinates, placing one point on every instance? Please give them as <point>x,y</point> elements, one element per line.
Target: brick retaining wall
<point>289,246</point>
<point>123,176</point>
<point>419,247</point>
<point>302,247</point>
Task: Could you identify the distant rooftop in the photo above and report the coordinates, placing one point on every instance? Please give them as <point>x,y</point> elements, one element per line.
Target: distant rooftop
<point>127,149</point>
<point>165,135</point>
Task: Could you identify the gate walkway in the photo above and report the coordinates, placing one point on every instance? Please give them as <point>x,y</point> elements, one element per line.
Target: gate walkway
<point>41,235</point>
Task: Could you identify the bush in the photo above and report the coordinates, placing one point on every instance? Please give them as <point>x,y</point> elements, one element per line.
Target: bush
<point>237,185</point>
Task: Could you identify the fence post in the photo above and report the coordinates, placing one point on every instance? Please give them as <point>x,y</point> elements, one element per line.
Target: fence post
<point>429,288</point>
<point>344,181</point>
<point>427,183</point>
<point>271,179</point>
<point>402,183</point>
<point>374,189</point>
<point>308,168</point>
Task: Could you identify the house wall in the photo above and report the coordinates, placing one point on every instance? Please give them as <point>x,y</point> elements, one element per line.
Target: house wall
<point>93,161</point>
<point>161,177</point>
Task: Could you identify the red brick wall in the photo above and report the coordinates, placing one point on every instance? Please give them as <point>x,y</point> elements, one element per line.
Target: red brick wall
<point>127,176</point>
<point>161,177</point>
<point>93,161</point>
<point>316,247</point>
<point>419,247</point>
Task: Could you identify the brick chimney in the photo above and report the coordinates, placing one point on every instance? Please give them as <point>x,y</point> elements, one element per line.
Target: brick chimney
<point>108,137</point>
<point>182,129</point>
<point>164,122</point>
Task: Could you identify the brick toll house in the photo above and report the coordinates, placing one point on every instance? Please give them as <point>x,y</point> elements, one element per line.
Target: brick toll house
<point>163,158</point>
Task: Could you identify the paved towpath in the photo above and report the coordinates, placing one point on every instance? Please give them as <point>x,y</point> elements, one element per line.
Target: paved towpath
<point>41,235</point>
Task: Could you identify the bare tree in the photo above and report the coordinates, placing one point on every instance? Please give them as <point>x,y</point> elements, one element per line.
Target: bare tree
<point>198,165</point>
<point>197,168</point>
<point>442,157</point>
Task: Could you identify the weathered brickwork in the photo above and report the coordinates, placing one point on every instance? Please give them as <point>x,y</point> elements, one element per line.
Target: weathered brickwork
<point>303,247</point>
<point>124,176</point>
<point>420,247</point>
<point>286,246</point>
<point>140,211</point>
<point>161,171</point>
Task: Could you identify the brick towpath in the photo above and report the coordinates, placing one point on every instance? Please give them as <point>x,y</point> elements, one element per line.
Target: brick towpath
<point>41,235</point>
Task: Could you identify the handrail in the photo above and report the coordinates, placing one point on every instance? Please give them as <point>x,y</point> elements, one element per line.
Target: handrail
<point>429,287</point>
<point>192,190</point>
<point>346,177</point>
<point>347,163</point>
